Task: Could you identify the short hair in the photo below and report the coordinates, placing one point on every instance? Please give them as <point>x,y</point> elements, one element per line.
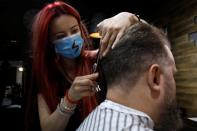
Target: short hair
<point>141,46</point>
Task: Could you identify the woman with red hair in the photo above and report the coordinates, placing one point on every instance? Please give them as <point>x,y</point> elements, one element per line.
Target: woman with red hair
<point>63,81</point>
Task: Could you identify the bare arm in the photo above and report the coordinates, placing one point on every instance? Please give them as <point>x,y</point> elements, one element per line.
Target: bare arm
<point>51,122</point>
<point>57,120</point>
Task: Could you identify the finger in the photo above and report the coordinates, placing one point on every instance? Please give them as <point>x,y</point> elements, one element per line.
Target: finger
<point>87,93</point>
<point>85,82</point>
<point>93,76</point>
<point>95,83</point>
<point>101,30</point>
<point>106,37</point>
<point>143,21</point>
<point>89,88</point>
<point>102,33</point>
<point>99,25</point>
<point>118,38</point>
<point>110,43</point>
<point>91,53</point>
<point>113,37</point>
<point>104,42</point>
<point>80,89</point>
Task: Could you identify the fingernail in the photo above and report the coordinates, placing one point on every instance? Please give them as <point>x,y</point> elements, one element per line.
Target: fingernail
<point>104,54</point>
<point>96,73</point>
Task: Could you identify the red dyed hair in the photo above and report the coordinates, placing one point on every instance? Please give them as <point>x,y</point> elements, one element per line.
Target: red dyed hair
<point>45,70</point>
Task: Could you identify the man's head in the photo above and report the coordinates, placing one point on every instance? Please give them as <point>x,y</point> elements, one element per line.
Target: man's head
<point>142,67</point>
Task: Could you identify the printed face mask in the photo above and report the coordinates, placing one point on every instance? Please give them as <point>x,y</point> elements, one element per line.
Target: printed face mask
<point>69,47</point>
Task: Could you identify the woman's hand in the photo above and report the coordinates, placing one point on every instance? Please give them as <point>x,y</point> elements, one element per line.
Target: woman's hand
<point>83,86</point>
<point>112,29</point>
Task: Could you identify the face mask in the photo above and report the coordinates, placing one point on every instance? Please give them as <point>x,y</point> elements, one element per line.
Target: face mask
<point>69,47</point>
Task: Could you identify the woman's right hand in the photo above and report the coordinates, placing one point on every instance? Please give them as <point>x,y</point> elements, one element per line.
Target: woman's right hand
<point>112,29</point>
<point>83,86</point>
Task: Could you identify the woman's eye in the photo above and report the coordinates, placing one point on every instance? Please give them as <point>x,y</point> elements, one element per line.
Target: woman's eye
<point>74,31</point>
<point>59,36</point>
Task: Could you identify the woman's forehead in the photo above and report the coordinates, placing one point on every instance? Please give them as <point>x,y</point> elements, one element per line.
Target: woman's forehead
<point>63,22</point>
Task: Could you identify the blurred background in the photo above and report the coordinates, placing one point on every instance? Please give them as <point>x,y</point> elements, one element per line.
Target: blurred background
<point>178,18</point>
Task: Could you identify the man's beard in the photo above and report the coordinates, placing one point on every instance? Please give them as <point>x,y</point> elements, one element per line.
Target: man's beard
<point>170,116</point>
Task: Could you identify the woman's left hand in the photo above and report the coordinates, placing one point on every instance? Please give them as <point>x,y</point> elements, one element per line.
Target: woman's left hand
<point>83,86</point>
<point>112,29</point>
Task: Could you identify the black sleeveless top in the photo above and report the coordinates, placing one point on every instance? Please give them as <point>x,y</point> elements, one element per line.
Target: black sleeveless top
<point>74,121</point>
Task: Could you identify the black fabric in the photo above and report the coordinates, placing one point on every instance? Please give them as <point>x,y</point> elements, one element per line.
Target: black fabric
<point>189,125</point>
<point>74,121</point>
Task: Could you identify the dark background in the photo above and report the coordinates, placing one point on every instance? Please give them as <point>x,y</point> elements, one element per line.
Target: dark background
<point>16,16</point>
<point>15,27</point>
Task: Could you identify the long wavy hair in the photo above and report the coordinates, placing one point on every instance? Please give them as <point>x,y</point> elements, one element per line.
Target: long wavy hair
<point>47,78</point>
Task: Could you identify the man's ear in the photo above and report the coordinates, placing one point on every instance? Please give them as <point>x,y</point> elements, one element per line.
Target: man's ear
<point>154,77</point>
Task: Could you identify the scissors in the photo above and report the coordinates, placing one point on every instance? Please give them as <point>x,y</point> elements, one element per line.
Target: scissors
<point>95,66</point>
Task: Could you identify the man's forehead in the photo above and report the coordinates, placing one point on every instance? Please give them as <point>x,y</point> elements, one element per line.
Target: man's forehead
<point>168,51</point>
<point>170,55</point>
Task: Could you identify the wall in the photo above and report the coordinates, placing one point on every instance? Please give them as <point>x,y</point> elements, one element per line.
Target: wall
<point>178,16</point>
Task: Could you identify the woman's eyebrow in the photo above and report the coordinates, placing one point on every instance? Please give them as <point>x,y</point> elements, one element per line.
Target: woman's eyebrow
<point>74,26</point>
